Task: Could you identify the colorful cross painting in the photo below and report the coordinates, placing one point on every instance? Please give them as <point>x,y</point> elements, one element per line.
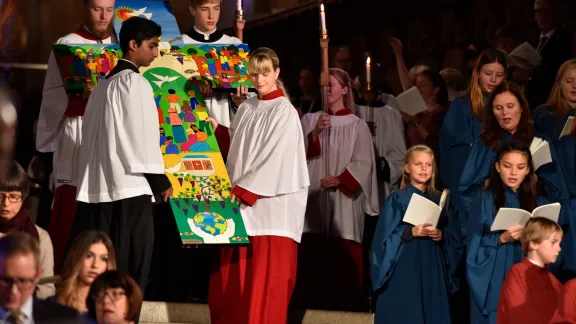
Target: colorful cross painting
<point>159,11</point>
<point>201,205</point>
<point>219,66</point>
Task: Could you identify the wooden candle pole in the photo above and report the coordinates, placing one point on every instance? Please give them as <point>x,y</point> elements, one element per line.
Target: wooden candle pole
<point>240,22</point>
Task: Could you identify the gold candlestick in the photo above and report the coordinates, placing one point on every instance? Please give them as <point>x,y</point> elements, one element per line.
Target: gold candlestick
<point>240,23</point>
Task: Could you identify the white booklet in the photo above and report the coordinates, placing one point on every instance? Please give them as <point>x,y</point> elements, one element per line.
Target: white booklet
<point>411,102</point>
<point>507,217</point>
<point>567,127</point>
<point>540,150</point>
<point>421,210</point>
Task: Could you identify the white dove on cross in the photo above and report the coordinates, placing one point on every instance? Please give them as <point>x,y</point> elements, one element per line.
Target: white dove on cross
<point>163,79</point>
<point>140,12</point>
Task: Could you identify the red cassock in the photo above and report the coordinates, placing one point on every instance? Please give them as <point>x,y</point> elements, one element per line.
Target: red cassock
<point>565,312</point>
<point>528,296</point>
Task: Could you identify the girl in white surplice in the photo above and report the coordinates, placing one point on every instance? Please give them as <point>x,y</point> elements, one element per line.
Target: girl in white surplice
<point>343,189</point>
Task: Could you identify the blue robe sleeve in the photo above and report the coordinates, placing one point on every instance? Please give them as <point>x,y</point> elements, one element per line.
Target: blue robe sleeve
<point>487,262</point>
<point>455,140</point>
<point>565,266</point>
<point>552,175</point>
<point>387,241</point>
<point>544,121</point>
<point>474,174</point>
<point>565,149</point>
<point>453,248</point>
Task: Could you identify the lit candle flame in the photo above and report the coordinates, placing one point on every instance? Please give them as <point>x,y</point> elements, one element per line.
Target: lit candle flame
<point>322,7</point>
<point>368,61</point>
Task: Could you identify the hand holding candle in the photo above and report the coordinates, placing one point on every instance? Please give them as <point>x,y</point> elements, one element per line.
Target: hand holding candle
<point>322,17</point>
<point>368,72</point>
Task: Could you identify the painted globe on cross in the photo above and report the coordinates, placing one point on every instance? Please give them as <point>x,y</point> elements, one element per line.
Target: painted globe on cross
<point>210,222</point>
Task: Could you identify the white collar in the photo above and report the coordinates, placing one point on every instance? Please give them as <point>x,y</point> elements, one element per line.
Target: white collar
<point>536,263</point>
<point>206,35</point>
<point>123,59</point>
<point>548,34</point>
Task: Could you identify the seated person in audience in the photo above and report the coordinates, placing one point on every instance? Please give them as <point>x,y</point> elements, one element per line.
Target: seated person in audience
<point>114,298</point>
<point>91,254</point>
<point>565,312</point>
<point>529,293</point>
<point>13,191</point>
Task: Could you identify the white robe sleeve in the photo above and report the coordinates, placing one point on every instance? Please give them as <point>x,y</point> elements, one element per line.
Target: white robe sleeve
<point>279,166</point>
<point>395,144</point>
<point>136,126</point>
<point>363,170</point>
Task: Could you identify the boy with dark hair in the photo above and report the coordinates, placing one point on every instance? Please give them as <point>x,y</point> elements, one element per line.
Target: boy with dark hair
<point>121,166</point>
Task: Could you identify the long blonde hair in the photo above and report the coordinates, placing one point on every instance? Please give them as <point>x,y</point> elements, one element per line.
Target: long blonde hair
<point>66,287</point>
<point>431,184</point>
<point>260,61</point>
<point>344,80</point>
<point>557,100</point>
<point>488,56</point>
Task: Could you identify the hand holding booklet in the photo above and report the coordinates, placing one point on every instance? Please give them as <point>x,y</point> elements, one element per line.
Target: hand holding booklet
<point>421,210</point>
<point>411,102</point>
<point>540,150</point>
<point>508,217</point>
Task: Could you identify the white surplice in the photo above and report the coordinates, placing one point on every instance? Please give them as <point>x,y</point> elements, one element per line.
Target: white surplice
<point>347,147</point>
<point>389,142</point>
<point>56,132</point>
<point>218,105</point>
<point>120,140</point>
<point>267,157</point>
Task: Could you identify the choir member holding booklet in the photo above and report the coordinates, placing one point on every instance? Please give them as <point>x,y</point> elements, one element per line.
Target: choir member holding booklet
<point>530,293</point>
<point>267,167</point>
<point>551,117</point>
<point>490,254</point>
<point>411,264</point>
<point>508,118</point>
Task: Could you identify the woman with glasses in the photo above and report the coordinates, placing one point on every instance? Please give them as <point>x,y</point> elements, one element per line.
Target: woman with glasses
<point>91,254</point>
<point>13,218</point>
<point>114,298</point>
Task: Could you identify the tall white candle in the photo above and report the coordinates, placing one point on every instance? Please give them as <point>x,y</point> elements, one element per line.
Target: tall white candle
<point>368,70</point>
<point>322,17</point>
<point>238,5</point>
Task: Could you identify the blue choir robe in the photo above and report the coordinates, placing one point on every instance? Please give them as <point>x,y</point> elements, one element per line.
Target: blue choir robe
<point>546,121</point>
<point>411,276</point>
<point>477,170</point>
<point>459,131</point>
<point>487,261</point>
<point>566,151</point>
<point>565,266</point>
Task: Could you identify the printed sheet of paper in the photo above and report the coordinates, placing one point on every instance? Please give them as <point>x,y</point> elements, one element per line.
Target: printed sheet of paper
<point>411,102</point>
<point>421,210</point>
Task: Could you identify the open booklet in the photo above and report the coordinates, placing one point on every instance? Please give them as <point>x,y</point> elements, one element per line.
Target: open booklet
<point>421,210</point>
<point>567,127</point>
<point>411,102</point>
<point>507,217</point>
<point>540,150</point>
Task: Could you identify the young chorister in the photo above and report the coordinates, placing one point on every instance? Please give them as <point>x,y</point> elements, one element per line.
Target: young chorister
<point>463,120</point>
<point>343,189</point>
<point>530,293</point>
<point>507,117</point>
<point>490,254</point>
<point>551,117</point>
<point>60,123</point>
<point>410,268</point>
<point>221,105</point>
<point>267,167</point>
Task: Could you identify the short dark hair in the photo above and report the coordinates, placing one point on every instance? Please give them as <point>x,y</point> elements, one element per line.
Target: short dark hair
<point>171,91</point>
<point>16,180</point>
<point>116,279</point>
<point>138,29</point>
<point>19,243</point>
